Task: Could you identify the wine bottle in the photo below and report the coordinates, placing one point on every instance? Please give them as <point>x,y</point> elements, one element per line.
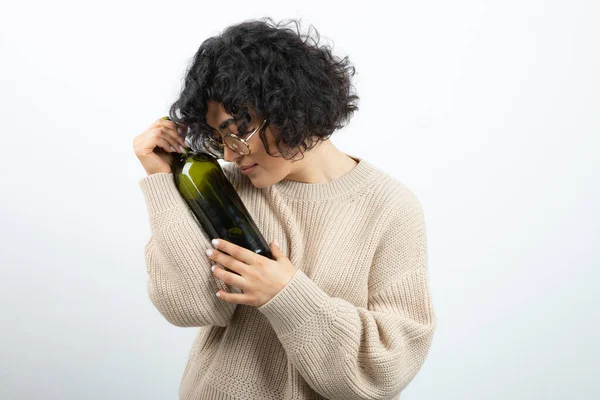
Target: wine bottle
<point>214,201</point>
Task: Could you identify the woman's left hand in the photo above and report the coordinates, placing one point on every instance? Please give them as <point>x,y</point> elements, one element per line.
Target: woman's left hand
<point>260,277</point>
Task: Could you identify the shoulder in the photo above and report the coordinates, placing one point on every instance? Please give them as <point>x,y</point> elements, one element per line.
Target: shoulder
<point>393,197</point>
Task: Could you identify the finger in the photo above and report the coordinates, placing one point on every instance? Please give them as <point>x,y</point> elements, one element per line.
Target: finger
<point>240,253</point>
<point>171,131</point>
<point>229,278</point>
<point>153,143</point>
<point>179,133</point>
<point>173,142</point>
<point>228,261</point>
<point>164,145</point>
<point>276,251</point>
<point>234,298</point>
<point>182,131</point>
<point>174,129</point>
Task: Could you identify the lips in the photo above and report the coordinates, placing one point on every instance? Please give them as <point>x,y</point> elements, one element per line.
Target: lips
<point>246,167</point>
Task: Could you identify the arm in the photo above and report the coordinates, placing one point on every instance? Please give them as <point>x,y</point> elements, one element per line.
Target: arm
<point>349,352</point>
<point>180,285</point>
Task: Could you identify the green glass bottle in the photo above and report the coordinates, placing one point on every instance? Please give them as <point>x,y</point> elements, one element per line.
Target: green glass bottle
<point>214,201</point>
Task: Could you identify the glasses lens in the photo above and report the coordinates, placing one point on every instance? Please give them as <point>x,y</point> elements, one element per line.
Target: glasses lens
<point>213,147</point>
<point>237,145</point>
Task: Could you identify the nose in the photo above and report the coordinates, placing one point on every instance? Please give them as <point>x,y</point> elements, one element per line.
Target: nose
<point>230,155</point>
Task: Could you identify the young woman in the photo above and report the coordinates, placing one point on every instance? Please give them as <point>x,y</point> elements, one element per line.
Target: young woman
<point>344,311</point>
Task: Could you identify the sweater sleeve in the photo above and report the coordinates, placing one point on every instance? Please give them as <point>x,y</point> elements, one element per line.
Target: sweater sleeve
<point>180,283</point>
<point>349,352</point>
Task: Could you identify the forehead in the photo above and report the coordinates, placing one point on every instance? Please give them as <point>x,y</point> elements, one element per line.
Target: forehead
<point>216,114</point>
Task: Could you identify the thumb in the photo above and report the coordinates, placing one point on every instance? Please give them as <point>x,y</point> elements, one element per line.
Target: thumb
<point>276,251</point>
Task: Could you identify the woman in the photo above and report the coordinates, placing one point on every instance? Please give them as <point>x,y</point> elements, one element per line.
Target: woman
<point>343,312</point>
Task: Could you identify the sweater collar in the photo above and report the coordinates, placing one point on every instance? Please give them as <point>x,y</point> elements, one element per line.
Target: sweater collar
<point>352,182</point>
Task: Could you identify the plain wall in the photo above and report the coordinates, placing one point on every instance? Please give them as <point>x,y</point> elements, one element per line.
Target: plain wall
<point>487,110</point>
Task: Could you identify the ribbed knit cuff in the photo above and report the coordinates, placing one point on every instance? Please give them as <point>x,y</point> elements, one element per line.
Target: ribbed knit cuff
<point>160,192</point>
<point>297,303</point>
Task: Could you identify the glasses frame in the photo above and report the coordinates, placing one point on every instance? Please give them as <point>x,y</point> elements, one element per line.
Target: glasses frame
<point>243,140</point>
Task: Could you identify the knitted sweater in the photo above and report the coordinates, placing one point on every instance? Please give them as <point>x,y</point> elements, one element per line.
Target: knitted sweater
<point>355,321</point>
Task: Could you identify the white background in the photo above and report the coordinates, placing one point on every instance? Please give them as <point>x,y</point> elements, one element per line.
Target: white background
<point>487,110</point>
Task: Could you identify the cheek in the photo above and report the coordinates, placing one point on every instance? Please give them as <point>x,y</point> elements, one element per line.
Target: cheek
<point>271,171</point>
<point>274,169</point>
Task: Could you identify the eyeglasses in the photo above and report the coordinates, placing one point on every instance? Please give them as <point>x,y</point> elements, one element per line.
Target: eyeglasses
<point>234,142</point>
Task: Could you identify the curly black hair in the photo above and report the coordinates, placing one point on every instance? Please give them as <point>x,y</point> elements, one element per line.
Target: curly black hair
<point>303,90</point>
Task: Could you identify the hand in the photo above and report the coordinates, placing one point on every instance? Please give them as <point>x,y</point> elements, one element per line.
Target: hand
<point>259,277</point>
<point>154,146</point>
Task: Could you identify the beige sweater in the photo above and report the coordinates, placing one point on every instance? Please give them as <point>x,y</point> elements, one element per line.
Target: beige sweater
<point>356,320</point>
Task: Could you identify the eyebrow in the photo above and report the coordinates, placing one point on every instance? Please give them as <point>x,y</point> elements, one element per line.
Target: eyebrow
<point>226,123</point>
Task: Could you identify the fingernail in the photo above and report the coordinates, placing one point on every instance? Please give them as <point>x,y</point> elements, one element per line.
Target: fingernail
<point>212,268</point>
<point>276,243</point>
<point>218,294</point>
<point>215,242</point>
<point>182,149</point>
<point>209,252</point>
<point>173,149</point>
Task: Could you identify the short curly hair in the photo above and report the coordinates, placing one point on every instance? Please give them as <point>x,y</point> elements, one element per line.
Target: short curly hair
<point>303,90</point>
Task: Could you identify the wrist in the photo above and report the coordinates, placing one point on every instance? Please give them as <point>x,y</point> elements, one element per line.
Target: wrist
<point>152,172</point>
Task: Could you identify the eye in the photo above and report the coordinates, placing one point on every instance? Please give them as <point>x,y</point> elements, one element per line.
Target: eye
<point>240,134</point>
<point>215,136</point>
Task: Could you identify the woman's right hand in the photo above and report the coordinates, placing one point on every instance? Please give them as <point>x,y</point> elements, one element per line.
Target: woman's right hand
<point>154,146</point>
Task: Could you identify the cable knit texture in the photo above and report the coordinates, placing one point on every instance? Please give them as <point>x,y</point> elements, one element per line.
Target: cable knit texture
<point>356,320</point>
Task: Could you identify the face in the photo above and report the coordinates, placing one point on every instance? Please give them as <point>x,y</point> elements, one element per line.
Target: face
<point>268,170</point>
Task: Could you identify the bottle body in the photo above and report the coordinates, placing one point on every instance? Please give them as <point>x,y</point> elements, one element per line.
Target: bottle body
<point>215,203</point>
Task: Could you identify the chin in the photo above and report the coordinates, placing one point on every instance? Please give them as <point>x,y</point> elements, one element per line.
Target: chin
<point>260,182</point>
